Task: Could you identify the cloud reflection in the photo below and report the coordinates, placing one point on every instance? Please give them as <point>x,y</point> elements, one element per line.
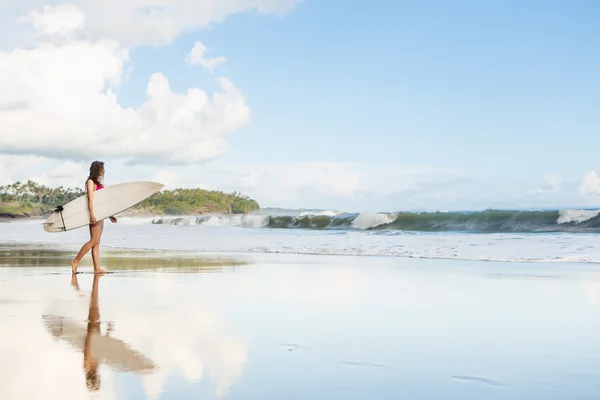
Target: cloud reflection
<point>72,352</point>
<point>97,348</point>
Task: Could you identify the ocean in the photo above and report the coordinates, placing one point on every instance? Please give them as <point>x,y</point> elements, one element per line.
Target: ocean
<point>493,235</point>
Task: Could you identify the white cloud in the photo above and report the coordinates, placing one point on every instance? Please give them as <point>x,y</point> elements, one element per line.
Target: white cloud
<point>67,174</point>
<point>17,168</point>
<point>552,184</point>
<point>61,20</point>
<point>289,184</point>
<point>67,108</point>
<point>58,104</point>
<point>332,185</point>
<point>138,22</point>
<point>348,186</point>
<point>590,187</point>
<point>168,178</point>
<point>353,187</point>
<point>197,57</point>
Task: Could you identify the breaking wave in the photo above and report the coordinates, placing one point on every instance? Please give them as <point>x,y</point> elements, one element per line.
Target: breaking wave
<point>489,221</point>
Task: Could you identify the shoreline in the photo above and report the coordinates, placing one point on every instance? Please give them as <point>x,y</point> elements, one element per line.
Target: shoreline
<point>157,254</point>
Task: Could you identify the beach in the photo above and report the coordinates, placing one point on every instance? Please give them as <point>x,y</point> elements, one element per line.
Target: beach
<point>227,200</point>
<point>179,322</point>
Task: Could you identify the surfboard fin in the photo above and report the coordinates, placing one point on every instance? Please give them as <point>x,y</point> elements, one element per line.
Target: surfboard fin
<point>59,210</point>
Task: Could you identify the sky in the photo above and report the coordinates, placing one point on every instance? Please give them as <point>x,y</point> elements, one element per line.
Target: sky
<point>353,106</point>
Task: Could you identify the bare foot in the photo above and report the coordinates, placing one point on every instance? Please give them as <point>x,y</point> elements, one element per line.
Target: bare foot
<point>74,282</point>
<point>74,265</point>
<point>100,271</point>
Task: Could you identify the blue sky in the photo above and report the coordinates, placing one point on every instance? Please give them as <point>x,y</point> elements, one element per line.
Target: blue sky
<point>486,87</point>
<point>501,93</point>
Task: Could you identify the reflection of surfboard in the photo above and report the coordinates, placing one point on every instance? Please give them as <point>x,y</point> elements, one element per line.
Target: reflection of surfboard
<point>107,201</point>
<point>105,349</point>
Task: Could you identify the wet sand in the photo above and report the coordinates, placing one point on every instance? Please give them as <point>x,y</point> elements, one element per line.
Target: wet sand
<point>180,325</point>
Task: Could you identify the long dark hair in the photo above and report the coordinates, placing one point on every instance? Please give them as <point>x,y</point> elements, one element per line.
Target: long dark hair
<point>96,170</point>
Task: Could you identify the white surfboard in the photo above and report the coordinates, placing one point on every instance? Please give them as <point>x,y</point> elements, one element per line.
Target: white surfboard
<point>108,201</point>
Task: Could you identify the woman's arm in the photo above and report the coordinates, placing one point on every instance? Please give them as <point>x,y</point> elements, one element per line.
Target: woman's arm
<point>90,197</point>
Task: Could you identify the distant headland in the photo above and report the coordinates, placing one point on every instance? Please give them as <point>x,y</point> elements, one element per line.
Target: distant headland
<point>30,199</point>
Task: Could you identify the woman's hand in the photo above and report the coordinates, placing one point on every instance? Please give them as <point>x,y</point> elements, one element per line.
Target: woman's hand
<point>92,219</point>
<point>113,220</point>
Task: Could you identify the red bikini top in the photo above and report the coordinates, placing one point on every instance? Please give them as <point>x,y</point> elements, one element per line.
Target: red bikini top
<point>99,186</point>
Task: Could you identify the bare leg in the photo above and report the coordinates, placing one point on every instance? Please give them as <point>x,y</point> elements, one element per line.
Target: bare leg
<point>82,252</point>
<point>96,231</point>
<point>95,234</point>
<point>84,249</point>
<point>96,257</point>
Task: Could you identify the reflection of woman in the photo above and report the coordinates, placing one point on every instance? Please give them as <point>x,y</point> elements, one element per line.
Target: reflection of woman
<point>98,348</point>
<point>93,183</point>
<point>90,364</point>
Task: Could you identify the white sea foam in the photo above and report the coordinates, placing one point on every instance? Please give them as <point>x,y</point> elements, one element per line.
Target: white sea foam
<point>576,216</point>
<point>562,247</point>
<point>372,220</point>
<point>245,221</point>
<point>135,220</point>
<point>327,213</point>
<point>184,221</point>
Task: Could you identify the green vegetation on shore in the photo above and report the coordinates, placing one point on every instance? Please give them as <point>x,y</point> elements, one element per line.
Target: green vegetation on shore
<point>196,201</point>
<point>32,199</point>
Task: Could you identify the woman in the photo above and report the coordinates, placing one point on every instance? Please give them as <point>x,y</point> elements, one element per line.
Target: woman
<point>93,183</point>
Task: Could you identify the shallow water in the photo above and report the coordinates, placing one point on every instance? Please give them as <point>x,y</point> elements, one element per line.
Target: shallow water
<point>263,326</point>
<point>140,233</point>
